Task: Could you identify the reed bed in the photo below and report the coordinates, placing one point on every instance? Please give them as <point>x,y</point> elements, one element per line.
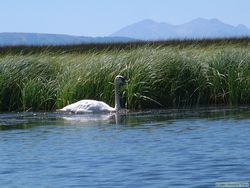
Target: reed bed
<point>160,75</point>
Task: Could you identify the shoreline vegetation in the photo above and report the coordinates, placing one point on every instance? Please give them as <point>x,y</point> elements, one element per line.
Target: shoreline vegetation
<point>176,73</point>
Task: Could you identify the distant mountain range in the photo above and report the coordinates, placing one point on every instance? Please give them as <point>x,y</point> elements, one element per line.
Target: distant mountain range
<point>143,30</point>
<point>195,29</point>
<point>13,39</point>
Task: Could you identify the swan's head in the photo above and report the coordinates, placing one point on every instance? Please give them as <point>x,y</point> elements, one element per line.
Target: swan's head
<point>120,80</point>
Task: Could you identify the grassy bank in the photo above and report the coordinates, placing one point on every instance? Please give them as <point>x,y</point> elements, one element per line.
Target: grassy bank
<point>174,74</point>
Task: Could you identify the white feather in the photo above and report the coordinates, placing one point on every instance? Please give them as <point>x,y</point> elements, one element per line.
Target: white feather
<point>88,106</point>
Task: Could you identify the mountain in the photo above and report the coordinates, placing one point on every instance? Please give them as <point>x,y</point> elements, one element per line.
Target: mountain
<point>54,39</point>
<point>143,30</point>
<point>198,28</point>
<point>147,30</point>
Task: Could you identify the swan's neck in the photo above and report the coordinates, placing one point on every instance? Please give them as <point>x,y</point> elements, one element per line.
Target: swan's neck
<point>117,98</point>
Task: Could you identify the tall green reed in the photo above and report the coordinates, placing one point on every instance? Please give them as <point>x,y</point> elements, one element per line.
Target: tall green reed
<point>159,76</point>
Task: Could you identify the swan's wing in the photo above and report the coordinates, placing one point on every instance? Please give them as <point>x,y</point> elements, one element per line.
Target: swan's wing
<point>88,106</point>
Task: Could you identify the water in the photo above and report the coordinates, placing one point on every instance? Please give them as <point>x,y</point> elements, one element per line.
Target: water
<point>172,148</point>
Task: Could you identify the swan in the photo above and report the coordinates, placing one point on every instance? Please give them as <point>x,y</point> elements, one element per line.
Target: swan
<point>93,106</point>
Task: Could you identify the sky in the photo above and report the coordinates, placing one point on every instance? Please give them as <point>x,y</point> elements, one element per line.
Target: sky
<point>103,17</point>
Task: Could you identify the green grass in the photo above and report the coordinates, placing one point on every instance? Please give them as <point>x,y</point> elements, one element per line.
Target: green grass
<point>163,74</point>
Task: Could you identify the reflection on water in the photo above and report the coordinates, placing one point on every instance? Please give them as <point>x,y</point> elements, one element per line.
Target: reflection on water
<point>30,119</point>
<point>167,148</point>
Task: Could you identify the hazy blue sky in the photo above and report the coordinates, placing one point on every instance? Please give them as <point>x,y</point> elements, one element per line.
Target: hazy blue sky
<point>102,17</point>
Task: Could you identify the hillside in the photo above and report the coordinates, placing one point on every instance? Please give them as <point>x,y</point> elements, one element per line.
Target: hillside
<point>198,28</point>
<point>12,39</point>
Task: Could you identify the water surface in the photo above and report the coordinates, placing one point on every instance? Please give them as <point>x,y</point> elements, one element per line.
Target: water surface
<point>171,148</point>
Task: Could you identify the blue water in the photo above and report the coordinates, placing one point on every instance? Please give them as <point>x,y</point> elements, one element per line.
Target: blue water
<point>171,148</point>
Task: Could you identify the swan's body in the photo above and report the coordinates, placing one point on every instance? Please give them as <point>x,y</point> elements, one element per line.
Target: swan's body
<point>93,106</point>
<point>88,106</point>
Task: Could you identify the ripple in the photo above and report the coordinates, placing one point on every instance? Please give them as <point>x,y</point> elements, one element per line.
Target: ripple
<point>178,148</point>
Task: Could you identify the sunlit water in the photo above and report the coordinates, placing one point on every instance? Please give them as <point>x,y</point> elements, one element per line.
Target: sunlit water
<point>172,148</point>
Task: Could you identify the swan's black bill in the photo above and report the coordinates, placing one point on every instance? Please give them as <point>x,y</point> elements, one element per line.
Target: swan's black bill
<point>124,81</point>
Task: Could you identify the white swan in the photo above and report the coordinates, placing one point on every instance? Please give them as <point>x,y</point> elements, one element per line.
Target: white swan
<point>93,106</point>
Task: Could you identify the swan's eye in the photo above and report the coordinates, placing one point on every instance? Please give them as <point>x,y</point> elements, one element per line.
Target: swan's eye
<point>123,79</point>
